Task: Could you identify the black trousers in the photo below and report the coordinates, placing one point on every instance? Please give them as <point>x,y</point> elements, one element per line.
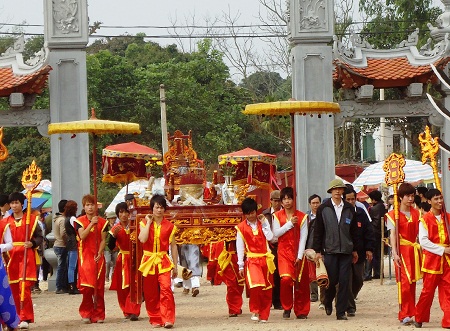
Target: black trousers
<point>276,302</point>
<point>339,268</point>
<point>356,281</point>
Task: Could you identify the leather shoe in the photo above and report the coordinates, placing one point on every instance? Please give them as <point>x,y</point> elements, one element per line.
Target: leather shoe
<point>286,314</point>
<point>328,310</point>
<point>278,307</point>
<point>302,317</point>
<point>417,324</point>
<point>341,318</point>
<point>351,314</point>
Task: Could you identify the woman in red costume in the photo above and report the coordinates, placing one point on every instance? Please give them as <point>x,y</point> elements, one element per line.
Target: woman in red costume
<point>407,260</point>
<point>91,230</point>
<point>120,237</point>
<point>157,237</point>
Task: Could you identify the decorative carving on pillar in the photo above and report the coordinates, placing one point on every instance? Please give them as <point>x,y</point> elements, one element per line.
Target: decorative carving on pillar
<point>66,24</point>
<point>313,15</point>
<point>310,20</point>
<point>65,15</point>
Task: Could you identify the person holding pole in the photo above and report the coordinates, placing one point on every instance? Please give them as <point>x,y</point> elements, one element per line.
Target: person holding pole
<point>22,265</point>
<point>405,251</point>
<point>91,230</point>
<point>290,226</point>
<point>435,242</point>
<point>120,282</point>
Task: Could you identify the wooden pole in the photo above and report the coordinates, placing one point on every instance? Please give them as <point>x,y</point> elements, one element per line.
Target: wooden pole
<point>162,102</point>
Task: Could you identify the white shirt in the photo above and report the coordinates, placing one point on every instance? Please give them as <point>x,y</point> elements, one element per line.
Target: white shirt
<point>338,209</point>
<point>7,244</point>
<point>240,246</point>
<point>426,243</point>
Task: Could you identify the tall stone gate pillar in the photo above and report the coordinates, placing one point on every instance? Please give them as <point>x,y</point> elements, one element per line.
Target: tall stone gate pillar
<point>66,36</point>
<point>311,29</point>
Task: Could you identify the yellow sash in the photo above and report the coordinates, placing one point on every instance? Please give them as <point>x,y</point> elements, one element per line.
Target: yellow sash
<point>154,259</point>
<point>224,260</point>
<point>416,246</point>
<point>269,259</point>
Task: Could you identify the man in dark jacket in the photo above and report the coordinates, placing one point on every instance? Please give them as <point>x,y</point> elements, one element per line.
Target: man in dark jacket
<point>366,245</point>
<point>376,212</point>
<point>275,205</point>
<point>335,236</point>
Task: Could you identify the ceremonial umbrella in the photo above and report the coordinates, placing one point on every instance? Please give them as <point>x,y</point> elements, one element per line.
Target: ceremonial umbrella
<point>291,108</point>
<point>374,174</point>
<point>253,167</point>
<point>124,163</point>
<point>96,127</point>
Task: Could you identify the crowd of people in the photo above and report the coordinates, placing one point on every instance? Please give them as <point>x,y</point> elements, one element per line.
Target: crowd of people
<point>274,256</point>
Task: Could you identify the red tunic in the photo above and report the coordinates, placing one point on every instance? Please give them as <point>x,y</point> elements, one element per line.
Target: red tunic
<point>408,231</point>
<point>257,251</point>
<point>89,270</point>
<point>155,256</point>
<point>437,233</point>
<point>122,236</point>
<point>16,255</point>
<point>288,243</point>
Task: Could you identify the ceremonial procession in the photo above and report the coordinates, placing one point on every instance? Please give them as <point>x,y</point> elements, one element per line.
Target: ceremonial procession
<point>147,184</point>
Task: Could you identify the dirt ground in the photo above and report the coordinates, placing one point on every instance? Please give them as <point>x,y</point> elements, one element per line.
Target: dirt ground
<point>376,310</point>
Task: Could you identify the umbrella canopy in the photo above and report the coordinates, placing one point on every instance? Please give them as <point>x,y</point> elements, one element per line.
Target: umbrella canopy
<point>138,186</point>
<point>36,203</point>
<point>374,174</point>
<point>291,107</point>
<point>96,127</point>
<point>124,163</point>
<point>253,167</point>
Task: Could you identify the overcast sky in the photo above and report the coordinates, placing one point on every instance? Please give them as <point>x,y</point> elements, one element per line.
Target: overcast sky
<point>134,13</point>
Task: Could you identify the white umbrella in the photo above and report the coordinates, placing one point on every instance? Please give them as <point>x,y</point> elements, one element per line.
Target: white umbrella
<point>374,174</point>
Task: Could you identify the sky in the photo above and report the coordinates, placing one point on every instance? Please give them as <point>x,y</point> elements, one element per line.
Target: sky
<point>134,13</point>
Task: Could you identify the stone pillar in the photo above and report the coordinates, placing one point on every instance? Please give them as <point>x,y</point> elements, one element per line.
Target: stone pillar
<point>445,136</point>
<point>66,36</point>
<point>310,25</point>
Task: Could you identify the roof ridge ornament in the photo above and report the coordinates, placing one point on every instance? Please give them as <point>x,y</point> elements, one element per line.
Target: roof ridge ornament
<point>412,40</point>
<point>18,47</point>
<point>442,23</point>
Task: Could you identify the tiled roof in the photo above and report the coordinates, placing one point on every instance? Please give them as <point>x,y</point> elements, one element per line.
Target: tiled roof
<point>383,73</point>
<point>27,84</point>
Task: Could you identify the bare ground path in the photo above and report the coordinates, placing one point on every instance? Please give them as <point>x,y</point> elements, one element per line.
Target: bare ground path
<point>376,310</point>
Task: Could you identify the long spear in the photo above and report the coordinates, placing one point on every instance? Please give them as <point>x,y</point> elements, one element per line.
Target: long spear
<point>429,147</point>
<point>31,178</point>
<point>393,166</point>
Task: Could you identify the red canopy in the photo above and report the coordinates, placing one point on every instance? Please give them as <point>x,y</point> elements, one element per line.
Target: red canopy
<point>248,154</point>
<point>126,162</point>
<point>253,167</point>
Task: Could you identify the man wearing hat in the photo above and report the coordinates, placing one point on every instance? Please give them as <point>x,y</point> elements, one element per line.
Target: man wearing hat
<point>110,254</point>
<point>335,236</point>
<point>275,205</point>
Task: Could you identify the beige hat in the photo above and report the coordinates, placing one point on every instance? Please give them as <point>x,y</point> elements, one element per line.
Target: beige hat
<point>275,195</point>
<point>111,214</point>
<point>336,183</point>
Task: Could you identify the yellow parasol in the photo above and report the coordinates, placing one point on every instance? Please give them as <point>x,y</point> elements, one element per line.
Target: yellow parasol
<point>96,127</point>
<point>292,107</point>
<point>282,108</point>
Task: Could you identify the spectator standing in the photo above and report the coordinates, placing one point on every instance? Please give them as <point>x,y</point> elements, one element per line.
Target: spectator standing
<point>110,254</point>
<point>59,247</point>
<point>70,211</point>
<point>275,205</point>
